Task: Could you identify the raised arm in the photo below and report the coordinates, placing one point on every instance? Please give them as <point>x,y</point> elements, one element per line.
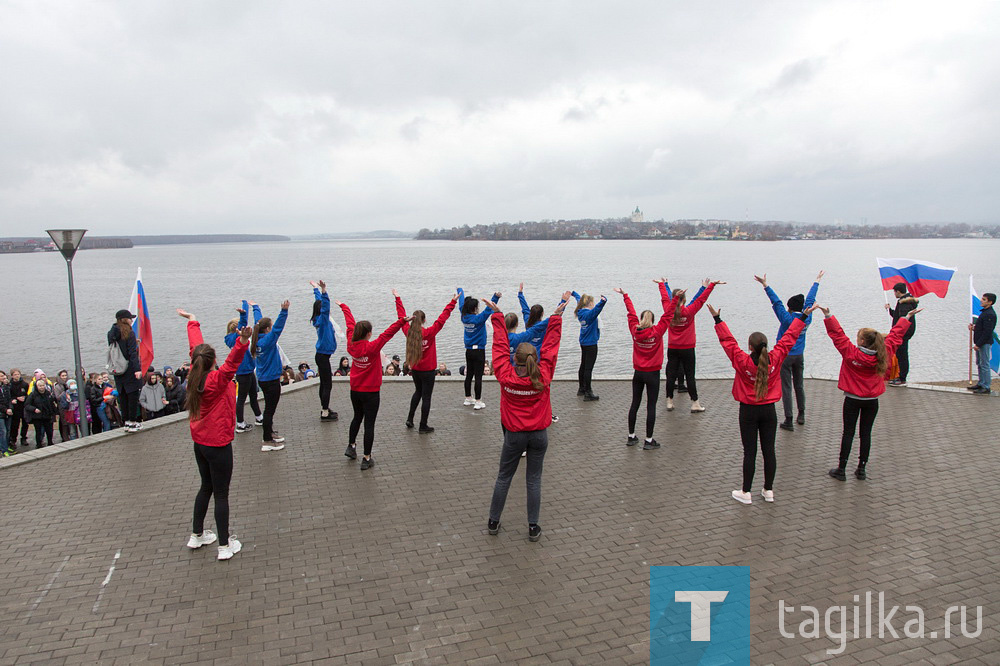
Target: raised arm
<point>257,314</point>
<point>699,300</point>
<point>895,337</point>
<point>550,347</point>
<point>194,335</point>
<point>243,315</point>
<point>811,296</point>
<point>728,342</point>
<point>780,311</point>
<point>525,310</point>
<point>348,320</point>
<point>575,295</point>
<point>386,335</point>
<point>279,323</point>
<point>787,341</point>
<point>836,333</point>
<point>596,310</point>
<point>633,320</point>
<point>501,347</point>
<point>461,298</point>
<point>234,359</point>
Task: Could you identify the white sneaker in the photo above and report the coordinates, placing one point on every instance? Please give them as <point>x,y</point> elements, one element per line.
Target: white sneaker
<point>276,438</point>
<point>696,407</point>
<point>768,495</point>
<point>234,546</point>
<point>740,496</point>
<point>469,401</point>
<point>272,447</point>
<point>670,404</point>
<point>259,420</point>
<point>243,427</point>
<point>479,404</point>
<point>555,419</point>
<point>137,426</point>
<point>207,537</point>
<point>524,454</point>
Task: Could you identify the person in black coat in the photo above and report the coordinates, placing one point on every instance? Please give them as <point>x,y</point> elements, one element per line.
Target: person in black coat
<point>93,393</point>
<point>982,340</point>
<point>5,413</point>
<point>42,408</point>
<point>905,303</point>
<point>129,383</point>
<point>175,395</point>
<point>18,394</point>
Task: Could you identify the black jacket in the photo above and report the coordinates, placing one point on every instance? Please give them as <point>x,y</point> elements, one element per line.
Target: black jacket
<point>93,393</point>
<point>4,400</point>
<point>46,402</point>
<point>982,336</point>
<point>127,381</point>
<point>904,306</point>
<point>18,389</point>
<point>176,396</point>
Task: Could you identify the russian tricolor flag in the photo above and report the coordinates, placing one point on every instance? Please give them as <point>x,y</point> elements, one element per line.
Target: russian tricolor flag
<point>977,307</point>
<point>921,277</point>
<point>142,327</point>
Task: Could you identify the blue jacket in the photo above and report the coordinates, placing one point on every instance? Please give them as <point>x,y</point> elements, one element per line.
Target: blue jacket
<point>249,364</point>
<point>786,318</point>
<point>327,341</point>
<point>268,358</point>
<point>475,324</point>
<point>536,332</point>
<point>590,330</point>
<point>535,340</point>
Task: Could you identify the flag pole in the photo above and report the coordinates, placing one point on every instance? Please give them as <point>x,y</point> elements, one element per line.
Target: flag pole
<point>972,292</point>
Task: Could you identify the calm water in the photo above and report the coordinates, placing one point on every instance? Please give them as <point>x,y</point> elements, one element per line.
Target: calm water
<point>210,280</point>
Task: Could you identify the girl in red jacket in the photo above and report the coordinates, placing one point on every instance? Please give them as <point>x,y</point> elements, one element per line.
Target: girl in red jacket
<point>421,356</point>
<point>681,341</point>
<point>757,387</point>
<point>862,379</point>
<point>525,412</point>
<point>211,405</point>
<point>647,357</point>
<point>366,380</point>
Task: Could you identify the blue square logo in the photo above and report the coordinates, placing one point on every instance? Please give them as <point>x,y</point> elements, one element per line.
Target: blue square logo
<point>699,615</point>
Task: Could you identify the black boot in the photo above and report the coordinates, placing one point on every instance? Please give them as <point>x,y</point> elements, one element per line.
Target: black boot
<point>786,425</point>
<point>860,472</point>
<point>838,473</point>
<point>589,396</point>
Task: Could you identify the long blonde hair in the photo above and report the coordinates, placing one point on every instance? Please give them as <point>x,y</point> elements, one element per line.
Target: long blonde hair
<point>527,356</point>
<point>872,339</point>
<point>415,338</point>
<point>232,326</point>
<point>586,301</point>
<point>645,319</point>
<point>679,310</point>
<point>758,344</point>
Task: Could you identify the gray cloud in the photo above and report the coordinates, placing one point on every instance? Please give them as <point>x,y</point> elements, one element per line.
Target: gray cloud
<point>325,116</point>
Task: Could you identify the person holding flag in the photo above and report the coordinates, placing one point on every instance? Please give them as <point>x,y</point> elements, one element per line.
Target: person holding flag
<point>905,303</point>
<point>129,381</point>
<point>141,325</point>
<point>982,340</point>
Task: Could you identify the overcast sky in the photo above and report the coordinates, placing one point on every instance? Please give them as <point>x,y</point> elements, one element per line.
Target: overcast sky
<point>245,116</point>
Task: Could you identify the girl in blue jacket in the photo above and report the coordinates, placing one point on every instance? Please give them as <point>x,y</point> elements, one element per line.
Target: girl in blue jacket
<point>246,380</point>
<point>264,347</point>
<point>326,344</point>
<point>590,332</point>
<point>474,324</point>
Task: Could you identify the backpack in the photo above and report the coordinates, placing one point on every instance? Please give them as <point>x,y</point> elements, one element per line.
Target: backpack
<point>117,363</point>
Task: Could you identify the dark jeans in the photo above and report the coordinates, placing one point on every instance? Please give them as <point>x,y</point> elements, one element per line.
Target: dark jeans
<point>365,404</point>
<point>215,464</point>
<point>129,405</point>
<point>272,394</point>
<point>854,409</point>
<point>588,356</point>
<point>681,360</point>
<point>423,386</point>
<point>650,381</point>
<point>4,442</point>
<point>17,420</point>
<point>42,428</point>
<point>903,358</point>
<point>762,421</point>
<point>325,379</point>
<point>514,444</point>
<point>96,425</point>
<point>791,375</point>
<point>65,434</point>
<point>475,365</point>
<point>246,387</point>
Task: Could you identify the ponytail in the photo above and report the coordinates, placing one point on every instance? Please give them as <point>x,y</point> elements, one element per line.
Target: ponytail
<point>645,319</point>
<point>679,308</point>
<point>510,321</point>
<point>758,345</point>
<point>872,339</point>
<point>534,315</point>
<point>202,362</point>
<point>415,339</point>
<point>586,301</point>
<point>262,325</point>
<point>527,356</point>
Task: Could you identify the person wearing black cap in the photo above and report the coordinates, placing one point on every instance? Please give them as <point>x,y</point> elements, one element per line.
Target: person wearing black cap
<point>129,382</point>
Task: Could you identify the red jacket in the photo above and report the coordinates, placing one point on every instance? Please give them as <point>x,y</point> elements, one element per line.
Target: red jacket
<point>857,371</point>
<point>647,343</point>
<point>429,359</point>
<point>681,335</point>
<point>366,362</point>
<point>218,399</point>
<point>522,406</point>
<point>746,369</point>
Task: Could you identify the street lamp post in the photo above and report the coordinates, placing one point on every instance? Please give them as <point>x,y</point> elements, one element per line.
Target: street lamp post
<point>68,242</point>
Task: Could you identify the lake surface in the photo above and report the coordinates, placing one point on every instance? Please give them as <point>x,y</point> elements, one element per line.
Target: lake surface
<point>210,280</point>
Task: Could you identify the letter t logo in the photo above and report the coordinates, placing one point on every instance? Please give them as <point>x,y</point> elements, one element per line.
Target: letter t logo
<point>701,610</point>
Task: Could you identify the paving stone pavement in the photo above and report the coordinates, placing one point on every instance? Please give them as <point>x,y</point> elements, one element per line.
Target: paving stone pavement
<point>394,565</point>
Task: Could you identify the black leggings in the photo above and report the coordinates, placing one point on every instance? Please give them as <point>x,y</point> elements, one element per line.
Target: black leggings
<point>588,356</point>
<point>129,404</point>
<point>215,464</point>
<point>365,405</point>
<point>679,360</point>
<point>272,394</point>
<point>246,387</point>
<point>759,420</point>
<point>325,379</point>
<point>42,428</point>
<point>867,410</point>
<point>423,386</point>
<point>475,366</point>
<point>650,381</point>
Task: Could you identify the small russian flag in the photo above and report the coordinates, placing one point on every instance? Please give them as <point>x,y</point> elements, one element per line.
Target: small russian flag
<point>921,277</point>
<point>142,326</point>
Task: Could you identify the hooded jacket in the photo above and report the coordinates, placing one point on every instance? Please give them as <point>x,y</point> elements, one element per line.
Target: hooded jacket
<point>590,327</point>
<point>151,397</point>
<point>647,343</point>
<point>326,341</point>
<point>249,364</point>
<point>785,318</point>
<point>475,324</point>
<point>127,381</point>
<point>682,334</point>
<point>428,357</point>
<point>857,371</point>
<point>746,367</point>
<point>904,305</point>
<point>366,368</point>
<point>522,406</point>
<point>268,357</point>
<point>217,421</point>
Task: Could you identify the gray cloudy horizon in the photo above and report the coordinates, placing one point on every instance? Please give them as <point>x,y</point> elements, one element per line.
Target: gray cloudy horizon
<point>313,117</point>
